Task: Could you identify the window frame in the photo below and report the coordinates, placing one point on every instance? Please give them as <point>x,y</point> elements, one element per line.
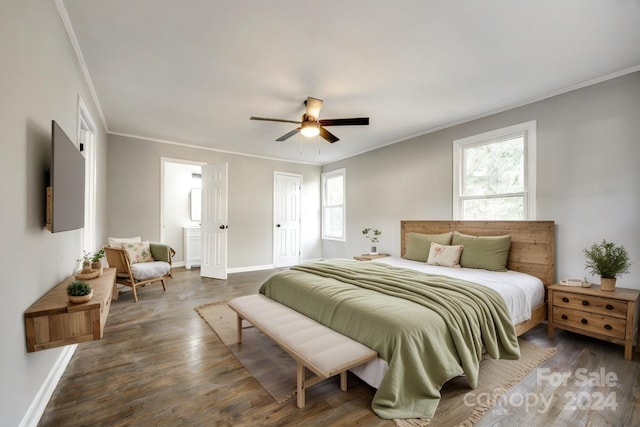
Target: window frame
<point>324,177</point>
<point>86,137</point>
<point>528,131</point>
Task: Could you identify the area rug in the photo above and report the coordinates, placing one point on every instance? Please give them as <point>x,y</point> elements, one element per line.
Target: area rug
<point>459,405</point>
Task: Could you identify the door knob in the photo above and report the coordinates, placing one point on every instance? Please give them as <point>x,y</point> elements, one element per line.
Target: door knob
<point>278,225</point>
<point>222,227</point>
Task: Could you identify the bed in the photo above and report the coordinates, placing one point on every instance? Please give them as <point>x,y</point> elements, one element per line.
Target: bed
<point>428,323</point>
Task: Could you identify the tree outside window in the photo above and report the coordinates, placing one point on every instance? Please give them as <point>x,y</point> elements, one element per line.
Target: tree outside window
<point>494,175</point>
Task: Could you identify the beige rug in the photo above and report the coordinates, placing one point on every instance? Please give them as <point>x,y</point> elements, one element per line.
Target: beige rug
<point>259,354</point>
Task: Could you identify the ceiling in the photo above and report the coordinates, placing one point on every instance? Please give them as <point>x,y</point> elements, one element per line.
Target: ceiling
<point>194,71</point>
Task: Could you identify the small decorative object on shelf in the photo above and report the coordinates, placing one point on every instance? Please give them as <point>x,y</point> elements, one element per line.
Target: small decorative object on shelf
<point>609,261</point>
<point>79,292</point>
<point>91,265</point>
<point>96,264</point>
<point>372,234</point>
<point>86,262</point>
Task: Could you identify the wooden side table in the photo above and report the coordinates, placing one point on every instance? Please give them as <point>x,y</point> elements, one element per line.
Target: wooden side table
<point>53,321</point>
<point>367,257</point>
<point>606,315</point>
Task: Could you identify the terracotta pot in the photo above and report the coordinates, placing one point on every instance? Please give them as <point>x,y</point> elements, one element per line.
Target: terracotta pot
<point>607,284</point>
<point>80,299</point>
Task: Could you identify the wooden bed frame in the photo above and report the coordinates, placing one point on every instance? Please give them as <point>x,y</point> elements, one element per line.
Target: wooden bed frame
<point>532,249</point>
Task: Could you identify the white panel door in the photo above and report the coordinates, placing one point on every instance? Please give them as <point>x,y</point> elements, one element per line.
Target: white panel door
<point>287,191</point>
<point>214,221</point>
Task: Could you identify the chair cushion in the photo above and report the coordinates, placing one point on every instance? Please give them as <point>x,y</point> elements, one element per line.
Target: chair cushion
<point>148,270</point>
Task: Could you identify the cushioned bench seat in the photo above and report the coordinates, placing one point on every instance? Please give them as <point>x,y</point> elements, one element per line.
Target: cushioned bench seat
<point>322,350</point>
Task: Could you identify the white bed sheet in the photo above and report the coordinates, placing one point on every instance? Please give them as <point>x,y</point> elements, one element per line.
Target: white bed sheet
<point>521,292</point>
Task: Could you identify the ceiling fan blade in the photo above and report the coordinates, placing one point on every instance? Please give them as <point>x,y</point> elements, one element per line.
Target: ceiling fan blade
<point>313,107</point>
<point>345,122</point>
<point>266,119</point>
<point>289,134</point>
<point>328,135</point>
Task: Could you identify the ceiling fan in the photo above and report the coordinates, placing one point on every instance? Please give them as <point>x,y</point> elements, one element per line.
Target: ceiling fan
<point>310,125</point>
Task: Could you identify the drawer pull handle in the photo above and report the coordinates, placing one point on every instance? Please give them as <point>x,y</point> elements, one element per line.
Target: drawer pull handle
<point>608,327</point>
<point>609,307</point>
<point>585,303</point>
<point>565,299</point>
<point>564,317</point>
<point>584,321</point>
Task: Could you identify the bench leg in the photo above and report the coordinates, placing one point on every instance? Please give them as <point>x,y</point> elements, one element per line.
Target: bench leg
<point>343,380</point>
<point>300,385</point>
<point>239,320</point>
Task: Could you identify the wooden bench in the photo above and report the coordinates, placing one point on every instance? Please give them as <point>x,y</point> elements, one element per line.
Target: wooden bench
<point>322,350</point>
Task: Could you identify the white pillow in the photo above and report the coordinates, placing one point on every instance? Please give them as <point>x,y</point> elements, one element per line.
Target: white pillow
<point>443,255</point>
<point>138,251</point>
<point>116,242</point>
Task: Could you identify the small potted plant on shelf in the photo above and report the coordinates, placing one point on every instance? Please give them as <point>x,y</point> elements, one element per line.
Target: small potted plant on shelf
<point>79,291</point>
<point>87,271</point>
<point>609,261</point>
<point>96,264</point>
<point>86,262</point>
<point>372,234</point>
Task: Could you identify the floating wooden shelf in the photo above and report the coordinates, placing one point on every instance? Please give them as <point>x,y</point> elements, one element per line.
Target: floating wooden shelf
<point>53,321</point>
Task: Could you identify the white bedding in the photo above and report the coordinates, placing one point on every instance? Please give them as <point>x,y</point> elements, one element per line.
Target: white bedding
<point>521,292</point>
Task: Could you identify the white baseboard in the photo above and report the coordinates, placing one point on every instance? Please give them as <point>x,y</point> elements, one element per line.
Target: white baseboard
<point>250,268</point>
<point>39,404</point>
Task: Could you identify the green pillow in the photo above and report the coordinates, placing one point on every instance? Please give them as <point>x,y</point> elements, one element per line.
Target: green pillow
<point>418,245</point>
<point>487,252</point>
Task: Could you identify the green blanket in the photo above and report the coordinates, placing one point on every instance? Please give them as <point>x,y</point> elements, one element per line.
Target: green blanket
<point>428,328</point>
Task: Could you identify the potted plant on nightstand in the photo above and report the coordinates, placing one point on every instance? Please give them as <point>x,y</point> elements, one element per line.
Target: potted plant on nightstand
<point>609,261</point>
<point>79,291</point>
<point>373,235</point>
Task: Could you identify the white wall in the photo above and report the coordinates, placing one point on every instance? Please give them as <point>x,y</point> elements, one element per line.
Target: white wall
<point>40,80</point>
<point>134,197</point>
<point>588,149</point>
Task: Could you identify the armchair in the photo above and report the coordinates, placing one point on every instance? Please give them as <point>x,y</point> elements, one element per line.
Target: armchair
<point>155,267</point>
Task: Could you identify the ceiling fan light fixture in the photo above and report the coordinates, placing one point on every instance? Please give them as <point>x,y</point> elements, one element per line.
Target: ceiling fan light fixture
<point>310,128</point>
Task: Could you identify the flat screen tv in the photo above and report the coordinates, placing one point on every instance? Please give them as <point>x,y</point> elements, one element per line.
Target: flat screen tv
<point>65,193</point>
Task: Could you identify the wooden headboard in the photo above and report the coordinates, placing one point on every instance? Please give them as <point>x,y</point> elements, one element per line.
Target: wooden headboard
<point>532,242</point>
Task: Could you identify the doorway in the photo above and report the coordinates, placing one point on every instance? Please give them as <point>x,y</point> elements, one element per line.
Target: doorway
<point>179,179</point>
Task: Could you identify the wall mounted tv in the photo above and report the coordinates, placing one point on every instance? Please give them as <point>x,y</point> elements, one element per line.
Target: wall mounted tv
<point>65,193</point>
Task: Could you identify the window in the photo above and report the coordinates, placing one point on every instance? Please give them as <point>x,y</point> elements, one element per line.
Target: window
<point>494,174</point>
<point>87,140</point>
<point>333,205</point>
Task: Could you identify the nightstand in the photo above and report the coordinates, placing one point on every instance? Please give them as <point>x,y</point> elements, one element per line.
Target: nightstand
<point>366,257</point>
<point>606,315</point>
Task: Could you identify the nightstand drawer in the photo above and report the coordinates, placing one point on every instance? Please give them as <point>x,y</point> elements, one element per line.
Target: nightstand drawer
<point>607,307</point>
<point>603,325</point>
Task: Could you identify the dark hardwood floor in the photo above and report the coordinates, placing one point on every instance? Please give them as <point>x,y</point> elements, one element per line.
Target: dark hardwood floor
<point>159,364</point>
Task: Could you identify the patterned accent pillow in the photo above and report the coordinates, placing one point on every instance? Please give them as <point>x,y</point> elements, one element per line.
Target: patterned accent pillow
<point>444,255</point>
<point>138,251</point>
